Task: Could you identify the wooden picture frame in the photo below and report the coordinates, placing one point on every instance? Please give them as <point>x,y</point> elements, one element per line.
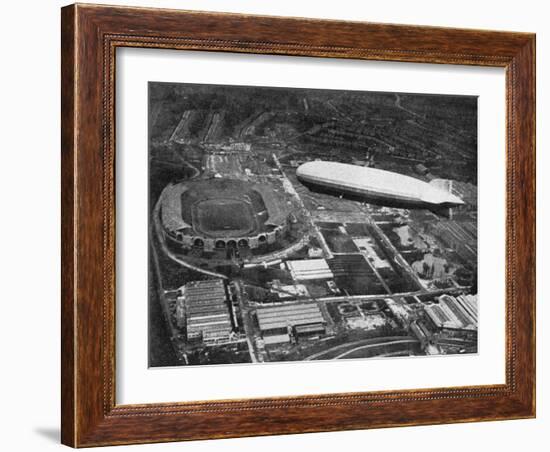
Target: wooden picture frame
<point>90,35</point>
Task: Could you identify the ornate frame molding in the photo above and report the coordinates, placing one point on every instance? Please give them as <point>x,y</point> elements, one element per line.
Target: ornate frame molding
<point>90,37</point>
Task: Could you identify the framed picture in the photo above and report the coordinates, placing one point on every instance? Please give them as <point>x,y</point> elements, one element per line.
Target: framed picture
<point>281,225</point>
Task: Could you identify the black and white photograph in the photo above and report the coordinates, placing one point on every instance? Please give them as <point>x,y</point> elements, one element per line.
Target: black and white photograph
<point>295,224</point>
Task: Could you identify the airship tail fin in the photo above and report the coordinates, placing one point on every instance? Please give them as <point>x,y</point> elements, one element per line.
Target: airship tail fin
<point>443,211</point>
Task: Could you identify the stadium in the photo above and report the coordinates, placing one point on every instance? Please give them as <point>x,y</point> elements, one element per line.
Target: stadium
<point>214,214</point>
<point>374,185</point>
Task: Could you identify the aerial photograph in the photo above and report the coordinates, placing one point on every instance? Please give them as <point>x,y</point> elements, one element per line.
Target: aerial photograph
<point>294,224</point>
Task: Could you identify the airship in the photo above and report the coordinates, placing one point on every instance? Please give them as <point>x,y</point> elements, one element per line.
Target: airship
<point>374,185</point>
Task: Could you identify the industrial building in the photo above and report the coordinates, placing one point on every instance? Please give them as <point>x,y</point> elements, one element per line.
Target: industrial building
<point>277,339</point>
<point>302,270</point>
<point>375,185</point>
<point>459,236</point>
<point>288,291</point>
<point>206,311</point>
<point>299,319</point>
<point>422,333</point>
<point>469,303</point>
<point>450,314</point>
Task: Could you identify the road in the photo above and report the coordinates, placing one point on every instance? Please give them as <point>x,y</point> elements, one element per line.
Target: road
<point>307,213</point>
<point>454,290</point>
<point>398,105</point>
<point>161,293</point>
<point>374,270</point>
<point>160,238</point>
<point>248,329</point>
<point>396,255</point>
<point>349,352</point>
<point>374,342</point>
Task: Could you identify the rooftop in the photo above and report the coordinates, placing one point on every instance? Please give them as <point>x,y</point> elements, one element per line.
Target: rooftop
<point>289,315</point>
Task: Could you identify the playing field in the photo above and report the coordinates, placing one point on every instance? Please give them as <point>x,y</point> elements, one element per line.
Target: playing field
<point>224,217</point>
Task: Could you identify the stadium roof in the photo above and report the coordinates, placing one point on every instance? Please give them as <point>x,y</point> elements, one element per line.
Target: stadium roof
<point>273,204</point>
<point>171,208</point>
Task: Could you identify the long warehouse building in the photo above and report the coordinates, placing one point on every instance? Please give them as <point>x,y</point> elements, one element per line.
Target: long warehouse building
<point>276,321</point>
<point>206,311</point>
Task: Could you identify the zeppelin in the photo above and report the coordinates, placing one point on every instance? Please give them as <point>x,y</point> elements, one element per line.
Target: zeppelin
<point>374,185</point>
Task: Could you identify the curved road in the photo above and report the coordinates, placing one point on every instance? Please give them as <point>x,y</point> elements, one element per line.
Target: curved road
<point>374,342</point>
<point>349,352</point>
